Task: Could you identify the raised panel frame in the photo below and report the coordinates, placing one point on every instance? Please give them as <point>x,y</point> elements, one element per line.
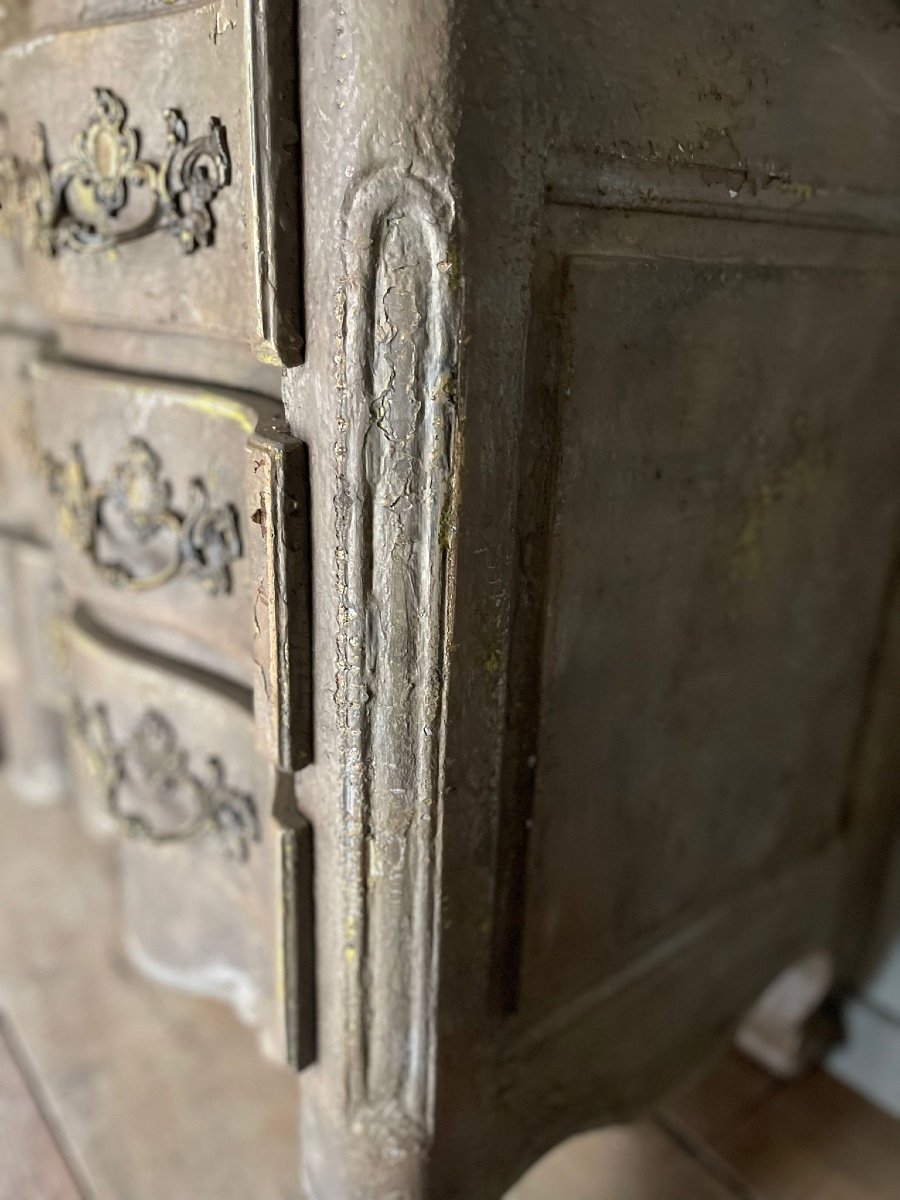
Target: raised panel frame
<point>675,224</point>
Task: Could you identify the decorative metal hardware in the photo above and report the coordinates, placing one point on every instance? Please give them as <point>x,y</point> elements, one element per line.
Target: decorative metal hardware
<point>150,765</point>
<point>135,506</point>
<point>106,194</point>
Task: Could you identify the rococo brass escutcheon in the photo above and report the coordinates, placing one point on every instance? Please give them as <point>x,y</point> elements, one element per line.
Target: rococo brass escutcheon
<point>105,194</point>
<point>133,509</point>
<point>169,801</point>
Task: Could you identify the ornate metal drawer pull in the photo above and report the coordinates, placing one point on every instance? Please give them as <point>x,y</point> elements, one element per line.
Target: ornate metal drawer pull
<point>178,804</point>
<point>105,194</point>
<point>136,502</point>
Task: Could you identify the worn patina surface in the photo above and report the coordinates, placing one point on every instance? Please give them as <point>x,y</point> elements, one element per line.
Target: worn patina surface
<point>566,586</point>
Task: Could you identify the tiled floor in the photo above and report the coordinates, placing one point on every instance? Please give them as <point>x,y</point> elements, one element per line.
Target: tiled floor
<point>740,1136</point>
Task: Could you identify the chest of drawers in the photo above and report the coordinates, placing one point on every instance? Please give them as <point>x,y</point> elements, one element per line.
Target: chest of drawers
<point>450,508</point>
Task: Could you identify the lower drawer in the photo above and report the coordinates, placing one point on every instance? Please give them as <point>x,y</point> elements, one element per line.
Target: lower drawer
<point>216,860</point>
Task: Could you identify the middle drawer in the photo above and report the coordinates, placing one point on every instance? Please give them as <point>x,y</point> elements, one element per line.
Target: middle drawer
<point>146,482</point>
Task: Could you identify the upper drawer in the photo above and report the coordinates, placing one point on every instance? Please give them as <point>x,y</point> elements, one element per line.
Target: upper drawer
<point>147,480</point>
<point>151,172</point>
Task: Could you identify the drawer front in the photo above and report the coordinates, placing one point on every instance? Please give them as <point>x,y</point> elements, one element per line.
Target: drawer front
<point>143,185</point>
<point>146,486</point>
<point>165,759</point>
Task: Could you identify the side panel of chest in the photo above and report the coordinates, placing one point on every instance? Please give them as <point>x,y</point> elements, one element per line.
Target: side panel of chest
<point>710,516</point>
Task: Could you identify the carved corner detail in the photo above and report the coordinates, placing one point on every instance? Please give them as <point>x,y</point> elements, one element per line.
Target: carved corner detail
<point>397,463</point>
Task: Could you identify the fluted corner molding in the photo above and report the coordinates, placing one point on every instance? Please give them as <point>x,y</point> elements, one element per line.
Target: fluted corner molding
<point>395,517</point>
